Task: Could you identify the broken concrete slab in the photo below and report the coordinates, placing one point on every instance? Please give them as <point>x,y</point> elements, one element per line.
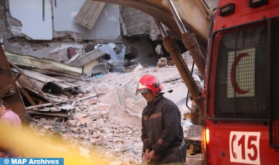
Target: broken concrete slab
<point>32,62</point>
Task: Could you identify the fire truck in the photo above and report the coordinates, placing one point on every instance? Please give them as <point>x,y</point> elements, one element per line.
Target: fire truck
<point>241,105</point>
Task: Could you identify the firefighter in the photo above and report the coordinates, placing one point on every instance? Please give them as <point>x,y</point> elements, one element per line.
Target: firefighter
<point>12,121</point>
<point>162,134</point>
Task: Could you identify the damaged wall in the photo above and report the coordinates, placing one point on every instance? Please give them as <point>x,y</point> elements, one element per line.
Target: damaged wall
<point>106,27</point>
<point>40,26</point>
<point>37,28</point>
<point>138,23</point>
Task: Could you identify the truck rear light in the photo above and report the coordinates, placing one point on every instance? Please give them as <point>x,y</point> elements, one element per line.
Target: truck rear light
<point>227,9</point>
<point>205,146</point>
<point>207,135</point>
<point>257,3</point>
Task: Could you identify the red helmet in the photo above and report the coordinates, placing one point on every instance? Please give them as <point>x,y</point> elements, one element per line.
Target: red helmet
<point>149,82</point>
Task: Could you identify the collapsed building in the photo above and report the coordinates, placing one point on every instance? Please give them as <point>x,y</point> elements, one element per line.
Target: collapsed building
<point>53,39</point>
<point>58,30</point>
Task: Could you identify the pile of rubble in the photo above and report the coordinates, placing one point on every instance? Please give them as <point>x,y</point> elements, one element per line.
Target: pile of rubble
<point>107,116</point>
<point>96,112</point>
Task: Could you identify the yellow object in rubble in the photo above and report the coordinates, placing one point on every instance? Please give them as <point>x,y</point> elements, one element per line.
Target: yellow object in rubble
<point>31,145</point>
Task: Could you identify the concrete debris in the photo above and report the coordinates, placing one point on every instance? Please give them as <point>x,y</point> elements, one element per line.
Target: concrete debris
<point>120,57</point>
<point>48,96</point>
<point>105,58</point>
<point>110,49</point>
<point>79,115</point>
<point>162,62</point>
<point>72,123</point>
<point>107,116</point>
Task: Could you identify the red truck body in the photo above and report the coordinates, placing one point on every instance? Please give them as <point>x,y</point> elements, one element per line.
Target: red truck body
<point>242,85</point>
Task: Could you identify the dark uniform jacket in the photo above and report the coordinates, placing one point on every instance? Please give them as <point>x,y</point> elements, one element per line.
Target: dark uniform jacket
<point>161,129</point>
